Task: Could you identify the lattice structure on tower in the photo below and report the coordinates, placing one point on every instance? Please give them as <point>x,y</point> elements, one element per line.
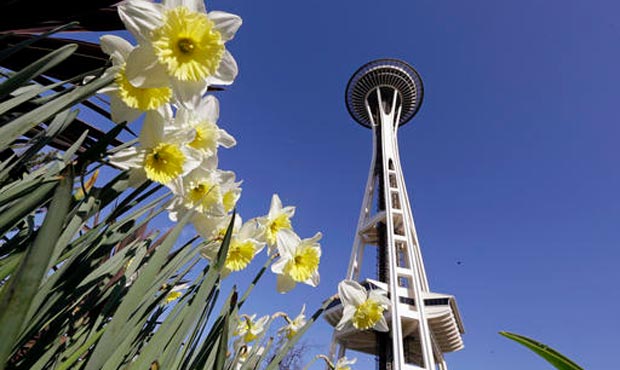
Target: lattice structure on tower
<point>384,95</point>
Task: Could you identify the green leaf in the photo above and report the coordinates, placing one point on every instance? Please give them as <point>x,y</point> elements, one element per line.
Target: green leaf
<point>25,205</point>
<point>555,358</point>
<point>20,125</point>
<point>130,303</point>
<point>10,51</point>
<point>16,298</point>
<point>35,69</point>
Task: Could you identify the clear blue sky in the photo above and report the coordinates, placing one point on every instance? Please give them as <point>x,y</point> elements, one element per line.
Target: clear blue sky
<point>511,163</point>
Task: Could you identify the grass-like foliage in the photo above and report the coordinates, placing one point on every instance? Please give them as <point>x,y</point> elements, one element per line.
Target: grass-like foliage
<point>85,283</point>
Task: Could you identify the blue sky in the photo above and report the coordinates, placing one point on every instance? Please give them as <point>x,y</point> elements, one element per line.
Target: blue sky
<point>511,163</point>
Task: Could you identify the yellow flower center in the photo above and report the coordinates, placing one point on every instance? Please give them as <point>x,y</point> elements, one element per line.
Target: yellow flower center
<point>304,263</point>
<point>141,98</point>
<point>205,138</point>
<point>367,314</point>
<point>203,195</point>
<point>240,254</point>
<point>188,44</point>
<point>281,222</point>
<point>229,199</point>
<point>164,163</point>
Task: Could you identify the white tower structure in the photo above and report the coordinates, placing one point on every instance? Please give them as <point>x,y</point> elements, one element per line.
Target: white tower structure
<point>383,95</point>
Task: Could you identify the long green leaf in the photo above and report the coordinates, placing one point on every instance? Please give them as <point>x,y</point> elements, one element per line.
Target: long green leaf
<point>114,329</point>
<point>19,126</point>
<point>16,299</point>
<point>35,69</point>
<point>555,358</point>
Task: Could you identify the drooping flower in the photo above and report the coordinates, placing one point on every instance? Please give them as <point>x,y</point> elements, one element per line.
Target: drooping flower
<point>294,325</point>
<point>277,220</point>
<point>362,309</point>
<point>298,262</point>
<point>185,40</point>
<point>249,329</point>
<point>241,250</point>
<point>208,136</point>
<point>162,155</point>
<point>127,101</point>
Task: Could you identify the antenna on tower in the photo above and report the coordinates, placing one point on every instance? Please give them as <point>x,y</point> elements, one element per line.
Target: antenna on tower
<point>383,95</point>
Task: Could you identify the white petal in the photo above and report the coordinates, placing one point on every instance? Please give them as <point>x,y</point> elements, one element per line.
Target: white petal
<point>285,284</point>
<point>143,69</point>
<point>287,241</point>
<point>275,207</point>
<point>152,132</point>
<point>379,296</point>
<point>381,325</point>
<point>141,17</point>
<point>188,93</point>
<point>226,23</point>
<point>314,279</point>
<point>193,5</point>
<point>209,109</point>
<point>193,159</point>
<point>351,293</point>
<point>121,112</point>
<point>226,140</point>
<point>226,72</point>
<point>278,266</point>
<point>289,211</point>
<point>111,44</point>
<point>127,158</point>
<point>347,315</point>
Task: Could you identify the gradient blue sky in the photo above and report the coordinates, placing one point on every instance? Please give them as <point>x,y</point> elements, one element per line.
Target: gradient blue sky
<point>511,163</point>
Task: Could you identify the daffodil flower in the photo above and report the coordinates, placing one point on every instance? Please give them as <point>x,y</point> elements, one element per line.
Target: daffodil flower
<point>200,190</point>
<point>249,329</point>
<point>294,325</point>
<point>162,154</point>
<point>277,220</point>
<point>181,39</point>
<point>362,309</point>
<point>127,101</point>
<point>298,262</point>
<point>203,121</point>
<point>241,250</point>
<point>213,228</point>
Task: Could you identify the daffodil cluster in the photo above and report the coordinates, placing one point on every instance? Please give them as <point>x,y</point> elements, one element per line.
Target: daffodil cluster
<point>180,52</point>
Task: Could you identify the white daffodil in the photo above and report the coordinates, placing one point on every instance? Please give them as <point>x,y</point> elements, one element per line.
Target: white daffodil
<point>162,154</point>
<point>200,190</point>
<point>127,101</point>
<point>277,220</point>
<point>343,363</point>
<point>241,250</point>
<point>182,40</point>
<point>294,325</point>
<point>249,329</point>
<point>212,228</point>
<point>362,309</point>
<point>203,121</point>
<point>298,262</point>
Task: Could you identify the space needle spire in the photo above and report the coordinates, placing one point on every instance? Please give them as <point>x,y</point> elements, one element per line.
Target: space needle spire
<point>382,96</point>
